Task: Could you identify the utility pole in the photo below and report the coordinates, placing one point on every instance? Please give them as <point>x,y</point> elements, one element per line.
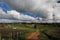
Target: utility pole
<point>54,20</point>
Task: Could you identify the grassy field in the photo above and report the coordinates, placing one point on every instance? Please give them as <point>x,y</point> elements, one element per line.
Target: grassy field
<point>49,29</point>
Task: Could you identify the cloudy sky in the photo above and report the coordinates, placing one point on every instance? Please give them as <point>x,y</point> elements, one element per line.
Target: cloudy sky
<point>30,10</point>
<point>7,14</point>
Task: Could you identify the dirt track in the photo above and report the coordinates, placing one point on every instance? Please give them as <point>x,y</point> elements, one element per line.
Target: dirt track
<point>33,36</point>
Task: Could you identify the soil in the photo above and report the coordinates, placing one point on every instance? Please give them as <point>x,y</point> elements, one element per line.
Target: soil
<point>33,36</point>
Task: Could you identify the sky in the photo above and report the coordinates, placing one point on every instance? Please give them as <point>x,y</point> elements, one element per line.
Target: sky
<point>37,7</point>
<point>7,14</point>
<point>5,7</point>
<point>31,9</point>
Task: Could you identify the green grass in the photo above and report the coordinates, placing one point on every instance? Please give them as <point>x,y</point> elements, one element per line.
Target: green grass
<point>50,28</point>
<point>30,27</point>
<point>24,28</point>
<point>51,31</point>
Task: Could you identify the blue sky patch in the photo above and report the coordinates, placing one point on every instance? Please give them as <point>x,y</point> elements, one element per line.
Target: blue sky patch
<point>5,7</point>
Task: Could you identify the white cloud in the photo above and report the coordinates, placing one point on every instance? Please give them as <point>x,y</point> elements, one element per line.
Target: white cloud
<point>57,12</point>
<point>20,16</point>
<point>35,6</point>
<point>41,7</point>
<point>14,15</point>
<point>4,15</point>
<point>45,8</point>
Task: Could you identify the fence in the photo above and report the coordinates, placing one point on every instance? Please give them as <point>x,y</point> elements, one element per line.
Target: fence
<point>11,34</point>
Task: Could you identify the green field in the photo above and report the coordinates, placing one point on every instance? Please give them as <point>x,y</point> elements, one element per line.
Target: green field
<point>51,30</point>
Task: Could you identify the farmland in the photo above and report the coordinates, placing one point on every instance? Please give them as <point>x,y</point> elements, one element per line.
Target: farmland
<point>31,28</point>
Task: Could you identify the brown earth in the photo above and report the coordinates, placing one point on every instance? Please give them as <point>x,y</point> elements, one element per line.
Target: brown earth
<point>33,36</point>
